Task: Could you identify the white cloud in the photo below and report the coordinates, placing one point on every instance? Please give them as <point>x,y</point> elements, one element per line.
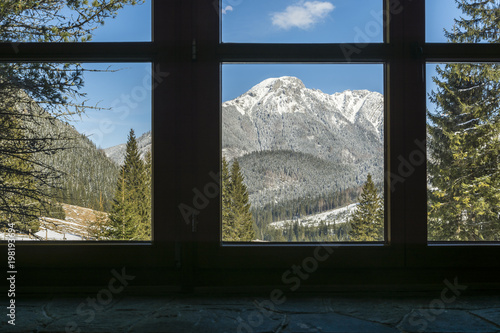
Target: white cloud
<point>227,9</point>
<point>302,15</point>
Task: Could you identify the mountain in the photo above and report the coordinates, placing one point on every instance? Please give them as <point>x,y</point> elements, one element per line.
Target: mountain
<point>117,153</point>
<point>282,114</point>
<point>295,142</point>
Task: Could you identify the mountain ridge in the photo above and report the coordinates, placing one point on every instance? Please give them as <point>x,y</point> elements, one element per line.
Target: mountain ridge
<point>273,128</point>
<point>278,103</point>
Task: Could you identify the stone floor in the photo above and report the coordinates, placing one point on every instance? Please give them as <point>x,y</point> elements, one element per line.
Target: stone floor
<point>450,310</point>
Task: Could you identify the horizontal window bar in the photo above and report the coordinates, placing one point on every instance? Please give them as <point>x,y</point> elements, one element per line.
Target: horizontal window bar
<point>445,52</point>
<point>342,53</point>
<point>303,245</point>
<point>461,244</point>
<point>139,51</point>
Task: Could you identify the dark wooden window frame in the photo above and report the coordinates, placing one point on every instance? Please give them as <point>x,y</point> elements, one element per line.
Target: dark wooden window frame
<point>187,140</point>
<point>404,54</point>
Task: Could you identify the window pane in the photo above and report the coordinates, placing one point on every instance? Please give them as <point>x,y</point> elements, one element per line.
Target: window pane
<point>285,21</point>
<point>303,154</point>
<point>56,21</point>
<point>472,22</point>
<point>69,167</point>
<point>463,133</point>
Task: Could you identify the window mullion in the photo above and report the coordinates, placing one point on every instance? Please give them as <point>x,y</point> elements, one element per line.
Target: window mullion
<point>409,168</point>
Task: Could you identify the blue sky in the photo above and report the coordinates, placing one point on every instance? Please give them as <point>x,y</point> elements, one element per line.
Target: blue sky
<point>262,21</point>
<point>126,92</point>
<point>320,21</point>
<point>127,95</point>
<point>290,21</point>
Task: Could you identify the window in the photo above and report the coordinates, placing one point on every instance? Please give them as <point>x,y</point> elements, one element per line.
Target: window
<point>462,160</point>
<point>140,72</point>
<point>308,140</point>
<point>191,63</point>
<point>64,180</point>
<point>462,131</point>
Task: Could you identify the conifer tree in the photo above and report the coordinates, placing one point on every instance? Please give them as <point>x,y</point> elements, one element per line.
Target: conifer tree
<point>96,229</point>
<point>229,233</point>
<point>54,210</point>
<point>147,207</point>
<point>243,221</point>
<point>129,213</point>
<point>367,220</point>
<point>121,218</point>
<point>237,220</point>
<point>464,136</point>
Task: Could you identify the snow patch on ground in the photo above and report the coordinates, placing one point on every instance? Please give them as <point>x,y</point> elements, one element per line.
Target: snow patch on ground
<point>47,234</point>
<point>337,216</point>
<point>73,228</point>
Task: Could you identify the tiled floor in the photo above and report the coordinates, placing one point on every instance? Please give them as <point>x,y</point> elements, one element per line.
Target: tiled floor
<point>446,311</point>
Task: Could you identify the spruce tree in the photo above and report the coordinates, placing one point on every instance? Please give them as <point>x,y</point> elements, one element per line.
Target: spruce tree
<point>96,228</point>
<point>237,220</point>
<point>122,225</point>
<point>148,202</point>
<point>242,217</point>
<point>464,136</point>
<point>129,214</point>
<point>367,220</point>
<point>229,233</point>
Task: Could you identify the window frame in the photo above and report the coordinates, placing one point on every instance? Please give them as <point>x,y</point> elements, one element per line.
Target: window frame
<point>211,253</point>
<point>405,53</point>
<point>87,263</point>
<point>187,130</point>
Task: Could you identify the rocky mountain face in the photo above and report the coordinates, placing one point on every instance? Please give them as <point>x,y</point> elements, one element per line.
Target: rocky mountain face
<point>282,114</point>
<point>295,142</point>
<point>117,153</point>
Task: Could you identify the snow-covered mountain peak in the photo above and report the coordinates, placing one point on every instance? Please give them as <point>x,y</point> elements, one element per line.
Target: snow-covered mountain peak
<point>288,95</point>
<point>281,113</point>
<point>268,90</point>
<point>274,84</point>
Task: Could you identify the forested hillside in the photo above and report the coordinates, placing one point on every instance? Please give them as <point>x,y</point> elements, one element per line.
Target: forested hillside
<point>86,174</point>
<point>286,176</point>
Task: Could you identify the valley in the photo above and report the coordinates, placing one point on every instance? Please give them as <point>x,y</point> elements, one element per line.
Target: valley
<point>304,156</point>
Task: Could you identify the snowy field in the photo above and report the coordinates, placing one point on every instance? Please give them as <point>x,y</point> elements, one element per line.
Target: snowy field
<point>337,216</point>
<point>74,228</point>
<point>55,230</point>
